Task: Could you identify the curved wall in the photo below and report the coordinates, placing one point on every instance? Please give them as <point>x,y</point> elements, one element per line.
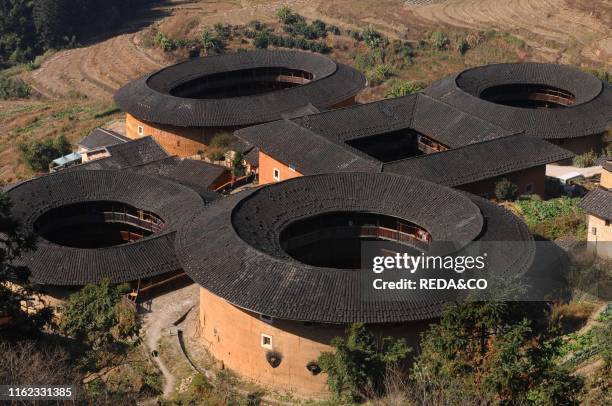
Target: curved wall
<point>186,141</point>
<point>234,337</point>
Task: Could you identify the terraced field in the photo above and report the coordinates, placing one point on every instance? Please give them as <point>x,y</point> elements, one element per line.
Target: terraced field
<point>556,27</point>
<point>569,31</point>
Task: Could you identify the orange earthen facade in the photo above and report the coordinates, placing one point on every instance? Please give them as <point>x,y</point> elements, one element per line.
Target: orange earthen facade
<point>235,337</point>
<point>271,170</point>
<point>528,181</point>
<point>181,141</point>
<point>599,234</point>
<point>186,141</point>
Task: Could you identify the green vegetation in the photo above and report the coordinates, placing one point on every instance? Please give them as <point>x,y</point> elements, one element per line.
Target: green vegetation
<point>11,88</point>
<point>97,316</point>
<point>29,28</point>
<point>496,353</point>
<point>584,160</point>
<point>602,75</point>
<point>16,241</point>
<point>214,44</point>
<point>405,87</point>
<point>38,154</point>
<point>439,40</point>
<point>553,218</point>
<point>357,366</point>
<point>238,168</point>
<point>505,190</point>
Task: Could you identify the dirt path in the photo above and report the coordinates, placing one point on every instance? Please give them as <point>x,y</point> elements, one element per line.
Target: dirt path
<point>540,22</point>
<point>158,317</point>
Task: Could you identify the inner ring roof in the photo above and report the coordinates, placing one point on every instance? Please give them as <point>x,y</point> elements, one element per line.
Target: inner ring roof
<point>239,258</point>
<point>55,264</point>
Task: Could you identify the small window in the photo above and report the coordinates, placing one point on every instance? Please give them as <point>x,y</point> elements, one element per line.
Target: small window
<point>594,230</point>
<point>178,143</point>
<point>266,319</point>
<point>276,174</point>
<point>266,341</point>
<point>529,188</point>
<point>140,130</point>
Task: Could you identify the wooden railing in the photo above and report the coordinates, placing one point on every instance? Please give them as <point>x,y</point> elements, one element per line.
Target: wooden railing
<point>365,231</point>
<point>232,184</point>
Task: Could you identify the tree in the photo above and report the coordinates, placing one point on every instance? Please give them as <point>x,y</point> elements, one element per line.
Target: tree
<point>15,241</point>
<point>97,316</point>
<point>38,154</point>
<point>496,352</point>
<point>505,190</point>
<point>357,366</point>
<point>238,168</point>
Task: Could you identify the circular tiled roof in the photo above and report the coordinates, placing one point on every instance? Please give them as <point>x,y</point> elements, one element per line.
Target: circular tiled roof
<point>149,98</point>
<point>240,257</point>
<point>55,264</point>
<point>590,114</point>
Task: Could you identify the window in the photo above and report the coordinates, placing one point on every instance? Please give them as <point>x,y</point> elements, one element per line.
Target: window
<point>266,319</point>
<point>276,174</point>
<point>266,341</point>
<point>594,230</point>
<point>529,188</point>
<point>140,130</point>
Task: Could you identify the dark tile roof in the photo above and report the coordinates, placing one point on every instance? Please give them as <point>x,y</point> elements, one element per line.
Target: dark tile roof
<point>149,99</point>
<point>137,152</point>
<point>317,143</point>
<point>598,202</point>
<point>100,138</point>
<point>198,175</point>
<point>304,150</point>
<point>480,161</point>
<point>131,153</point>
<point>418,112</point>
<point>591,114</point>
<point>606,164</point>
<point>240,258</point>
<point>54,264</point>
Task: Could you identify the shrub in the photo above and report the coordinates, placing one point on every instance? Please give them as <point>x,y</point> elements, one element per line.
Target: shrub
<point>223,31</point>
<point>211,44</point>
<point>602,75</point>
<point>380,73</point>
<point>261,40</point>
<point>439,40</point>
<point>584,160</point>
<point>13,88</point>
<point>405,87</point>
<point>462,46</point>
<point>238,168</point>
<point>286,16</point>
<point>373,38</point>
<point>505,190</point>
<point>222,140</point>
<point>38,154</point>
<point>95,315</point>
<point>359,362</point>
